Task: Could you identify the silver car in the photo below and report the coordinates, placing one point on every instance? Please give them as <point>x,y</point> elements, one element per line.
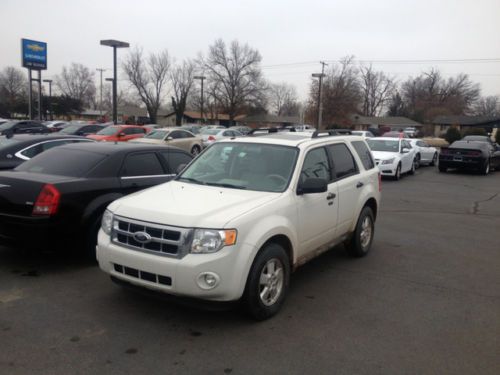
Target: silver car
<point>209,136</point>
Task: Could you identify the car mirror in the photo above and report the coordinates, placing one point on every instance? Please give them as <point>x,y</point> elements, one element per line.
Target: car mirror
<point>169,138</point>
<point>405,150</point>
<point>312,185</point>
<point>180,168</point>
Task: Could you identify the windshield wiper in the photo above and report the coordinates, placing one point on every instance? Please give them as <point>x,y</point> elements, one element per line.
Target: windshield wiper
<point>193,180</point>
<point>225,185</point>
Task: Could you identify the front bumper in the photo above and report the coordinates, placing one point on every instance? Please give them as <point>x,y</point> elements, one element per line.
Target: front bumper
<point>176,276</point>
<point>387,169</point>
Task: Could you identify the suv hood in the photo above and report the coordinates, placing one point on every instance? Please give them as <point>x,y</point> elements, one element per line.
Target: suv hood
<point>190,205</point>
<point>383,155</point>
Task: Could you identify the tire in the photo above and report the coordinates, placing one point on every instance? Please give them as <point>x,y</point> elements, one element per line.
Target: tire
<point>417,161</point>
<point>361,241</point>
<point>413,167</point>
<point>485,170</point>
<point>90,240</point>
<point>397,175</point>
<point>195,150</point>
<point>260,304</point>
<point>433,161</point>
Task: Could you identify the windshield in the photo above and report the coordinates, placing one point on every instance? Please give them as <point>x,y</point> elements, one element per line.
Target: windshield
<point>251,166</point>
<point>383,145</point>
<point>7,125</point>
<point>62,162</point>
<point>110,130</point>
<point>157,134</point>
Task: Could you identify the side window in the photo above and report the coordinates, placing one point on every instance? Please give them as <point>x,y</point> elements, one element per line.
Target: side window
<point>187,135</point>
<point>174,159</point>
<point>343,161</point>
<point>32,151</point>
<point>176,135</point>
<point>364,154</point>
<point>144,164</point>
<point>316,165</point>
<point>48,145</point>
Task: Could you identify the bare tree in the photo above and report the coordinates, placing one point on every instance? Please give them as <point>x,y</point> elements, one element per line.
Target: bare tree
<point>149,77</point>
<point>377,90</point>
<point>237,70</point>
<point>283,99</point>
<point>13,90</point>
<point>182,77</point>
<point>487,106</point>
<point>77,82</point>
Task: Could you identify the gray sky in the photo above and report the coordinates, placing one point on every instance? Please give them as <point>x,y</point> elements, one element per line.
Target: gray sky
<point>284,32</point>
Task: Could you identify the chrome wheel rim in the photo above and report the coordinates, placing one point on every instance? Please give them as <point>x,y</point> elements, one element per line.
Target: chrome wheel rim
<point>365,235</point>
<point>195,151</point>
<point>271,282</point>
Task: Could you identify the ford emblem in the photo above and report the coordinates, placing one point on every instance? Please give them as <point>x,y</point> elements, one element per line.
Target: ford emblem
<point>142,237</point>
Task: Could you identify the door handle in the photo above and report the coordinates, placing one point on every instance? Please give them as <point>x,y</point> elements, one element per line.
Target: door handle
<point>359,184</point>
<point>330,196</point>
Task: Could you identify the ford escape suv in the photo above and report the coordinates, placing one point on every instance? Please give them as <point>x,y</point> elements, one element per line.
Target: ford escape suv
<point>242,216</point>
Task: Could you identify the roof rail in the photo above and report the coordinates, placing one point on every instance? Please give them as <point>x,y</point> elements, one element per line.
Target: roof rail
<point>324,133</point>
<point>271,130</point>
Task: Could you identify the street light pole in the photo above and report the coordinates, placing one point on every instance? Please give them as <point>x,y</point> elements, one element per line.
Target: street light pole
<point>49,81</point>
<point>201,78</point>
<point>115,44</point>
<point>320,94</point>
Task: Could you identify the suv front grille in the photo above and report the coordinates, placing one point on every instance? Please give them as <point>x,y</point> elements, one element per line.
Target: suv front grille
<point>149,237</point>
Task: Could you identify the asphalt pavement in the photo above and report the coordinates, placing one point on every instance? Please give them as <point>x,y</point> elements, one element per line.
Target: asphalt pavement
<point>426,300</point>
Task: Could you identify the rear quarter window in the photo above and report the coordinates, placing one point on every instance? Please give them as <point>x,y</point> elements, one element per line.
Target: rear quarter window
<point>364,154</point>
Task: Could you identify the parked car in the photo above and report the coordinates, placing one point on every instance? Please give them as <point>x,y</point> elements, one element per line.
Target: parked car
<point>305,128</point>
<point>174,137</point>
<point>211,135</point>
<point>23,127</point>
<point>364,133</point>
<point>470,155</point>
<point>119,133</point>
<point>245,213</point>
<point>393,156</point>
<point>479,138</point>
<point>58,197</point>
<point>242,129</point>
<point>83,129</point>
<point>425,153</point>
<point>16,150</point>
<point>56,126</point>
<point>193,128</point>
<point>410,131</point>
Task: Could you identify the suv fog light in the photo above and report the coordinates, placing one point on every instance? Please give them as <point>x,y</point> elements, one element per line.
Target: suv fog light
<point>208,280</point>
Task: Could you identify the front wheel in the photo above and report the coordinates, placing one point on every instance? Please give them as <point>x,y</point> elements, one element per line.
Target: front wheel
<point>434,159</point>
<point>397,175</point>
<point>268,281</point>
<point>195,150</point>
<point>360,243</point>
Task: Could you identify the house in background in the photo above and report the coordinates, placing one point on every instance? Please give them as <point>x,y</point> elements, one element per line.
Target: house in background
<point>265,120</point>
<point>442,123</point>
<point>194,117</point>
<point>386,123</point>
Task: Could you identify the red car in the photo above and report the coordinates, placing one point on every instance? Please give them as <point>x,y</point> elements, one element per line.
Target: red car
<point>119,133</point>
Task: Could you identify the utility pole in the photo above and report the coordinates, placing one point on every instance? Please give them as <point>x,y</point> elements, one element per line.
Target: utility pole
<point>320,93</point>
<point>202,78</point>
<point>100,70</point>
<point>49,81</point>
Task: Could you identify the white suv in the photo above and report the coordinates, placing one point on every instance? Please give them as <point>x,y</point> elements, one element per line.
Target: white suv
<point>242,216</point>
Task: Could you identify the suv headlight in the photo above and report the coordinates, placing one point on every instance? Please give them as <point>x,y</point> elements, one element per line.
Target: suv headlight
<point>207,241</point>
<point>107,222</point>
<point>388,161</point>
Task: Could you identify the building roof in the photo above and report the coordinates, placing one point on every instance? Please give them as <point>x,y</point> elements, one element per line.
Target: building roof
<point>265,118</point>
<point>465,120</point>
<point>387,121</point>
<point>92,112</point>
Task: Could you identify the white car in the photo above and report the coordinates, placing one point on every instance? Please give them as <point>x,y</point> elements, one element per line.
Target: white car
<point>211,135</point>
<point>305,128</point>
<point>242,216</point>
<point>393,156</point>
<point>425,154</point>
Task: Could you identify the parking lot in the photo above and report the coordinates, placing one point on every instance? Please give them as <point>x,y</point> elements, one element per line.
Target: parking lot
<point>426,300</point>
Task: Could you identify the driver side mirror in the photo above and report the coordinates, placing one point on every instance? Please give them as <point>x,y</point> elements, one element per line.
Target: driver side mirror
<point>169,138</point>
<point>312,185</point>
<point>405,150</point>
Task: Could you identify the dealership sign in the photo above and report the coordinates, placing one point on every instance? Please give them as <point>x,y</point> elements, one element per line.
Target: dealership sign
<point>34,54</point>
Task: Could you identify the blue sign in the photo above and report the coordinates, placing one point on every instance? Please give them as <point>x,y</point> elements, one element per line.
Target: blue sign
<point>34,54</point>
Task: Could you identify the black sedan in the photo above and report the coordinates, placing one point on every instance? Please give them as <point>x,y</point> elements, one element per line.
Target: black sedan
<point>10,128</point>
<point>470,155</point>
<point>58,197</point>
<point>16,150</point>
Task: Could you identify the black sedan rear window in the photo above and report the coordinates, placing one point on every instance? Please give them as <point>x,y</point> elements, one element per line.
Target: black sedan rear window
<point>62,162</point>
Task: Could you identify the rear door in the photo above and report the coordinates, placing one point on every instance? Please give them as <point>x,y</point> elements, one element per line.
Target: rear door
<point>141,170</point>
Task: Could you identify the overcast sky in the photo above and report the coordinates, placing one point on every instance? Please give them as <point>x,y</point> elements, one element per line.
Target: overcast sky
<point>283,31</point>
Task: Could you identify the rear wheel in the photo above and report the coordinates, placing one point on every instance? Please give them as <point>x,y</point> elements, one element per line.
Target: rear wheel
<point>486,167</point>
<point>90,240</point>
<point>434,159</point>
<point>268,281</point>
<point>397,175</point>
<point>360,243</point>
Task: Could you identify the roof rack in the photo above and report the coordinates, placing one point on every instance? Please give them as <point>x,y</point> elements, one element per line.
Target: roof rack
<point>330,132</point>
<point>271,130</point>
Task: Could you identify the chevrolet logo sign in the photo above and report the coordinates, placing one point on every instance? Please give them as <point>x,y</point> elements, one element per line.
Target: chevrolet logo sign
<point>35,47</point>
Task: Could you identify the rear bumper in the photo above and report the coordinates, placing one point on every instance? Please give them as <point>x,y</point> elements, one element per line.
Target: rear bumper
<point>464,164</point>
